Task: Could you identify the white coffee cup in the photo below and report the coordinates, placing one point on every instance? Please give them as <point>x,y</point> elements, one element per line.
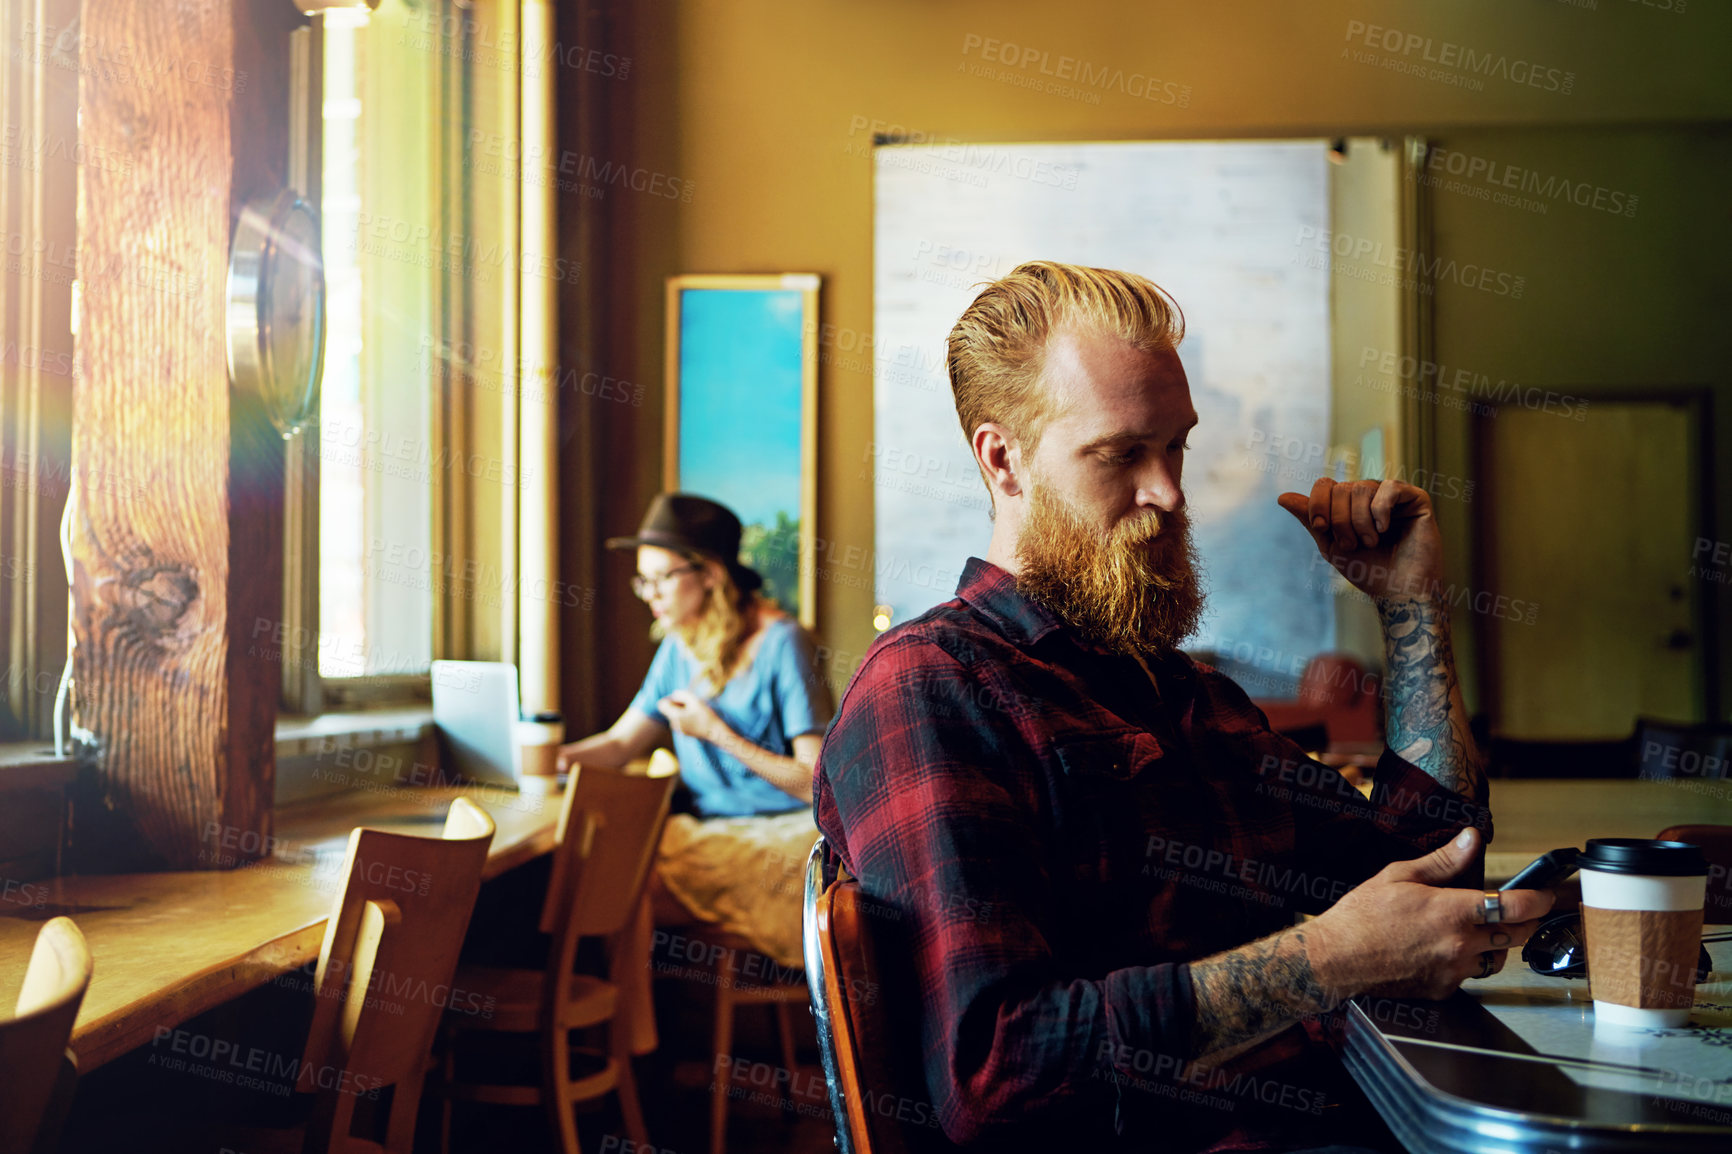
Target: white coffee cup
<point>1642,917</point>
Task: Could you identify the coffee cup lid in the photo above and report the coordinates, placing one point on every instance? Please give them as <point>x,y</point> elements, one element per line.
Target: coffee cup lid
<point>1636,855</point>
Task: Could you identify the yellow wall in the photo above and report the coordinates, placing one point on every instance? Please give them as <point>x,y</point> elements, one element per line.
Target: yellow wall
<point>760,106</point>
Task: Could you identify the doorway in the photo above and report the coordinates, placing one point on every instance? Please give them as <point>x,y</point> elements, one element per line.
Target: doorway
<point>1588,530</point>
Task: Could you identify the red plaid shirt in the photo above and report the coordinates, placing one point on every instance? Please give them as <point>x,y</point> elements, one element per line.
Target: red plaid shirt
<point>1055,837</point>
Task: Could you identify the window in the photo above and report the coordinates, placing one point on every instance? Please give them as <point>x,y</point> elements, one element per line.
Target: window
<point>411,474</point>
<point>380,190</point>
<point>39,159</point>
<point>403,524</point>
<point>1214,223</point>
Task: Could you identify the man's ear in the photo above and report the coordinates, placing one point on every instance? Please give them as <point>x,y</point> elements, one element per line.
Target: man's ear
<point>1000,459</point>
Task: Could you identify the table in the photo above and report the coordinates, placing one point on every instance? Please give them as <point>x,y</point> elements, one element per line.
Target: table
<point>1476,1075</point>
<point>168,946</point>
<point>1532,816</point>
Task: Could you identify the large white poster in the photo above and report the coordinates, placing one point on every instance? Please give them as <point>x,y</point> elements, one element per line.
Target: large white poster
<point>1219,225</point>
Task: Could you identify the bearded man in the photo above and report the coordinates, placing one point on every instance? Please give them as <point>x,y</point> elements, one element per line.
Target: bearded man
<point>1092,852</point>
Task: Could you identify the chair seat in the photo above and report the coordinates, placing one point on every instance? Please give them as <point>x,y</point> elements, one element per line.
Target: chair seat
<point>579,1089</point>
<point>734,989</point>
<point>777,995</point>
<point>512,1000</point>
<point>252,1139</point>
<point>779,986</point>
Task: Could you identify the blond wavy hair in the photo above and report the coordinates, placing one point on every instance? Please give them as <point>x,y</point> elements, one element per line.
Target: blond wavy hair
<point>997,350</point>
<point>716,635</point>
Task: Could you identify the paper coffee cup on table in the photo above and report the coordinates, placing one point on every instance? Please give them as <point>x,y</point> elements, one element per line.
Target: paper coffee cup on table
<point>539,736</point>
<point>1642,916</point>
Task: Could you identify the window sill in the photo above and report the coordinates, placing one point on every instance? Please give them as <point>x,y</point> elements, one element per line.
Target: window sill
<point>34,790</point>
<point>336,752</point>
<point>357,729</point>
<point>32,765</point>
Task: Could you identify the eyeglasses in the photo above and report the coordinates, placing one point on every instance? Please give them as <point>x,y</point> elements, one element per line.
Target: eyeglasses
<point>1558,949</point>
<point>644,585</point>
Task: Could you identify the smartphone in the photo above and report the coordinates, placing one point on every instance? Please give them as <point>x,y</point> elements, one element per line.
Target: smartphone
<point>1545,871</point>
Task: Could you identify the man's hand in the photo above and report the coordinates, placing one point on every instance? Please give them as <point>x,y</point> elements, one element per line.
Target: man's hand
<point>1380,535</point>
<point>1400,933</point>
<point>691,715</point>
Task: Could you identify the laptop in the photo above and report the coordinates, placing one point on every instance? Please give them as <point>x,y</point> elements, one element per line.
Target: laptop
<point>475,711</point>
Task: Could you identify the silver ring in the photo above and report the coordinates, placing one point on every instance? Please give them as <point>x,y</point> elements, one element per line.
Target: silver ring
<point>1486,966</point>
<point>1491,908</point>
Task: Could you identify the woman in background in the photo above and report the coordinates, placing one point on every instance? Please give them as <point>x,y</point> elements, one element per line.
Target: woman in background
<point>734,687</point>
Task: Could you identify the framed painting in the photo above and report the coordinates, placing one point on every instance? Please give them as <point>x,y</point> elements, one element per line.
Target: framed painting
<point>742,416</point>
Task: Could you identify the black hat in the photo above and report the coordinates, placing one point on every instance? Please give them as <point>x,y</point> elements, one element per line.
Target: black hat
<point>687,523</point>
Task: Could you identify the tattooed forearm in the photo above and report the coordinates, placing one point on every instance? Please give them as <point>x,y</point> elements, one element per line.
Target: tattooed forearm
<point>1427,719</point>
<point>1256,989</point>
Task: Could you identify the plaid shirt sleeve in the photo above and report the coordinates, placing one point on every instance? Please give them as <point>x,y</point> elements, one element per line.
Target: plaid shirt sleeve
<point>928,792</point>
<point>1338,831</point>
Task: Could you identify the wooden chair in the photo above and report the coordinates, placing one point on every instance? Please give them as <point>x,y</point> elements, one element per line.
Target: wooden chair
<point>606,839</point>
<point>872,1071</point>
<point>390,947</point>
<point>1349,696</point>
<point>1716,843</point>
<point>383,975</point>
<point>733,992</point>
<point>37,1071</point>
<point>1676,750</point>
<point>1511,757</point>
<point>1338,700</point>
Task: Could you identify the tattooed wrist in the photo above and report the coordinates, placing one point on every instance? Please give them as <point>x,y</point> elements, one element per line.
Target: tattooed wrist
<point>1426,719</point>
<point>1254,990</point>
<point>1417,601</point>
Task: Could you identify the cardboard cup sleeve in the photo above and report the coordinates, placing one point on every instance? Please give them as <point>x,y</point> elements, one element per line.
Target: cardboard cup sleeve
<point>1643,958</point>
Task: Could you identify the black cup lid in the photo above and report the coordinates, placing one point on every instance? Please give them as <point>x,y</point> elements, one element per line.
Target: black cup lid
<point>1637,855</point>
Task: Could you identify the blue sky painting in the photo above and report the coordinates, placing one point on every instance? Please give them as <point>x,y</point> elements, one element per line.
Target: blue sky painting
<point>740,396</point>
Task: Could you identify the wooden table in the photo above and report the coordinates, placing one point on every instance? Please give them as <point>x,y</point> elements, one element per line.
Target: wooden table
<point>168,946</point>
<point>1530,817</point>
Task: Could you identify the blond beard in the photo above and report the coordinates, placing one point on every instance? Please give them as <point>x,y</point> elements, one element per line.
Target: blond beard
<point>1136,590</point>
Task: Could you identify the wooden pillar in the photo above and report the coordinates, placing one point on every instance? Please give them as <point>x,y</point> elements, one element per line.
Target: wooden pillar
<point>177,542</point>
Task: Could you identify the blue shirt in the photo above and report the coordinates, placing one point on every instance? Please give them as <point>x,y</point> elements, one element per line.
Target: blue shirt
<point>775,699</point>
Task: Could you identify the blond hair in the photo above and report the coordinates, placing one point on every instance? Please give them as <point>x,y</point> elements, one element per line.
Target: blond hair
<point>716,636</point>
<point>998,348</point>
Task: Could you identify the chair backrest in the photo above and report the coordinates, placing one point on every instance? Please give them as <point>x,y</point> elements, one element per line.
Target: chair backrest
<point>384,978</point>
<point>1716,843</point>
<point>603,847</point>
<point>1667,750</point>
<point>816,945</point>
<point>34,1061</point>
<point>1348,695</point>
<point>1516,757</point>
<point>856,1041</point>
